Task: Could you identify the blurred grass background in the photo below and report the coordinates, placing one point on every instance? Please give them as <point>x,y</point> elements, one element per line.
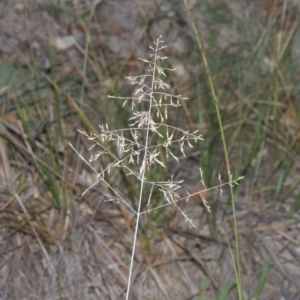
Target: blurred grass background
<point>60,60</point>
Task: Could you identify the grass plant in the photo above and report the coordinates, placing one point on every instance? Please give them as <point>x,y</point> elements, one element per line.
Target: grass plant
<point>136,149</point>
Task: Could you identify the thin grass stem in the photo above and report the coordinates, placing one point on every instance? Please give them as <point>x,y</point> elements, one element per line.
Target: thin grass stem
<point>214,96</point>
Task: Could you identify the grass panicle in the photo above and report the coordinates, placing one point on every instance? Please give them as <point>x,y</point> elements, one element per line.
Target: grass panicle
<point>136,147</point>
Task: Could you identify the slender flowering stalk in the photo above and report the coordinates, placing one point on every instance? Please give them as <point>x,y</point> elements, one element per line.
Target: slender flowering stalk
<point>136,153</point>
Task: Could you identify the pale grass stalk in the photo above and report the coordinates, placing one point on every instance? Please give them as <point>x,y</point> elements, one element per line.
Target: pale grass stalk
<point>143,168</point>
<point>151,121</point>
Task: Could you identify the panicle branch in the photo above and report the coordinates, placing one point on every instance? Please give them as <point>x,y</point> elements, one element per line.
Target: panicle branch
<point>137,147</point>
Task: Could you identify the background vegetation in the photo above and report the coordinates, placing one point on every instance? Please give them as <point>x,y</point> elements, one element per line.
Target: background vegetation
<point>59,61</point>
